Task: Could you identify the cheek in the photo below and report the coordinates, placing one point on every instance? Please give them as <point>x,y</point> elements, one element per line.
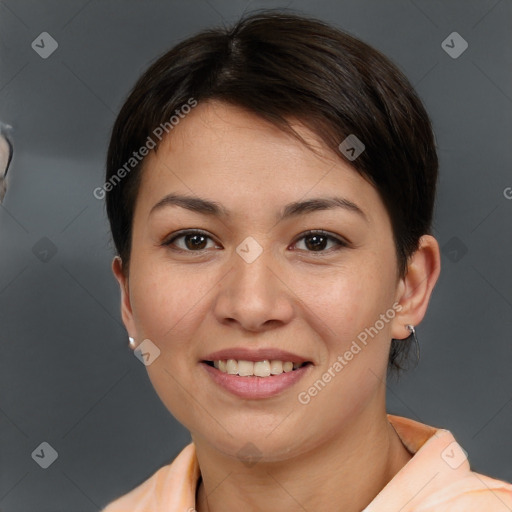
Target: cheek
<point>344,310</point>
<point>167,305</point>
<point>164,300</point>
<point>343,303</point>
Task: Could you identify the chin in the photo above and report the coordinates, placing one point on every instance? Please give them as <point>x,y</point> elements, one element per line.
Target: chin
<point>251,445</point>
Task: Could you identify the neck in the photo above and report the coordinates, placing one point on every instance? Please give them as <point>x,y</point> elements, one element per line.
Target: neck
<point>343,473</point>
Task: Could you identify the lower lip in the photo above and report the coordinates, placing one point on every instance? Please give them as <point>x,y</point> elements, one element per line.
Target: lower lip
<point>256,387</point>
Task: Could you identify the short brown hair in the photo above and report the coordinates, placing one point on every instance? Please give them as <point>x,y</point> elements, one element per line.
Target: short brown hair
<point>283,66</point>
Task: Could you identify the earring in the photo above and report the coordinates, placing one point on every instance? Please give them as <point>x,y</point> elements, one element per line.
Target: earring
<point>132,342</point>
<point>412,331</point>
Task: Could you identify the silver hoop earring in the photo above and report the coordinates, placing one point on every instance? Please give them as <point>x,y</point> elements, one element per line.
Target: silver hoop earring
<point>412,331</point>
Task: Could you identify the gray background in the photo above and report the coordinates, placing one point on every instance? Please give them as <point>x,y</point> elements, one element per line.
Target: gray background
<point>67,376</point>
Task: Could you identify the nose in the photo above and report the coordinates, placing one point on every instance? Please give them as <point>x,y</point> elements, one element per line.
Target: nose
<point>255,296</point>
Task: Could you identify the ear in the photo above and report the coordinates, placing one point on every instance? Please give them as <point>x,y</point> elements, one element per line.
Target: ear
<point>415,289</point>
<point>126,307</point>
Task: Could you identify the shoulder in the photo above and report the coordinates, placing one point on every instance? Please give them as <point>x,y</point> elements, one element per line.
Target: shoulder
<point>438,478</point>
<point>172,486</point>
<point>471,492</point>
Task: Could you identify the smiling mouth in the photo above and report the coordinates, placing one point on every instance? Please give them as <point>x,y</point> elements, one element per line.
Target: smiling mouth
<point>264,368</point>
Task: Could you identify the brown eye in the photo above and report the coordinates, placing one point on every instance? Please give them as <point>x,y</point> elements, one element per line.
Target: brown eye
<point>195,241</point>
<point>317,241</point>
<point>192,241</point>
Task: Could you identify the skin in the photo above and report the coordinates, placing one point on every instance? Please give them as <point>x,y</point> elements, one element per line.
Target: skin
<point>311,302</point>
<point>4,159</point>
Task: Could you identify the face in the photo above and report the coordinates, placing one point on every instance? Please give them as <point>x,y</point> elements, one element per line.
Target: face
<point>4,160</point>
<point>258,278</point>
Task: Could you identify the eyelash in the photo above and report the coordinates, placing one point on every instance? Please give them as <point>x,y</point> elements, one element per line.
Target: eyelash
<point>339,242</point>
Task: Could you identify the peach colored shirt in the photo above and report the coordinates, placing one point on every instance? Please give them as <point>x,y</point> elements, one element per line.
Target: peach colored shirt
<point>437,478</point>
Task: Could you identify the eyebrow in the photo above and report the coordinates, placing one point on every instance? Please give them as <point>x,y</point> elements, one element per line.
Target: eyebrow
<point>208,207</point>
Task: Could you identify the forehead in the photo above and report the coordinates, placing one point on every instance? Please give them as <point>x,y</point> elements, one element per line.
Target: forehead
<point>219,134</point>
<point>229,154</point>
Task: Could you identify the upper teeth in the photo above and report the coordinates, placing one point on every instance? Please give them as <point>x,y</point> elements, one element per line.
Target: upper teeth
<point>263,368</point>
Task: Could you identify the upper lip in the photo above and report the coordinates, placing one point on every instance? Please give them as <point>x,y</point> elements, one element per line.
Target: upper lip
<point>255,354</point>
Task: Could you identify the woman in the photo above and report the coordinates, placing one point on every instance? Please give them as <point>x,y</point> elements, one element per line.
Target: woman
<point>5,158</point>
<point>270,190</point>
